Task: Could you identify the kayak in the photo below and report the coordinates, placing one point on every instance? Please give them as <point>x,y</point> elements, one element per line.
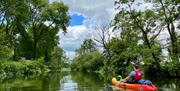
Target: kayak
<point>135,87</point>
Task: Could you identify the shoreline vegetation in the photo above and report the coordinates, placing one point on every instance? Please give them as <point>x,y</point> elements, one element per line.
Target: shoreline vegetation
<point>93,62</point>
<point>27,68</point>
<point>29,41</point>
<point>22,68</point>
<point>89,59</point>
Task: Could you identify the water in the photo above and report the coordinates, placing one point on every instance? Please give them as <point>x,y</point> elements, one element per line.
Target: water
<point>165,84</point>
<point>73,81</point>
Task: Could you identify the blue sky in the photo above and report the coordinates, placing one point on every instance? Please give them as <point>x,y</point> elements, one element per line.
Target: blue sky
<point>76,19</point>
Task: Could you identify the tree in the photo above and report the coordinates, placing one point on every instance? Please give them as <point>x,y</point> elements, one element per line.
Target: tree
<point>56,57</point>
<point>45,17</point>
<point>169,13</point>
<point>13,17</point>
<point>124,52</point>
<point>92,61</point>
<point>87,47</point>
<point>25,47</point>
<point>103,36</point>
<point>30,25</point>
<point>142,22</point>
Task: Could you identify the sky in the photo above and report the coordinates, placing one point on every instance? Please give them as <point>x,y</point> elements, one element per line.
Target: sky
<point>85,15</point>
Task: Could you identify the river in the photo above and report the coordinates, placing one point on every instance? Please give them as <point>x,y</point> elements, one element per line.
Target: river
<point>73,81</point>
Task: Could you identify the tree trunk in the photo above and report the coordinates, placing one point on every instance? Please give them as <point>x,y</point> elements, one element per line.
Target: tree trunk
<point>150,47</point>
<point>34,51</point>
<point>174,45</point>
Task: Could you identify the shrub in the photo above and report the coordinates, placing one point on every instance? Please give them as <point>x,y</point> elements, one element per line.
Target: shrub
<point>21,68</point>
<point>173,68</point>
<point>92,61</point>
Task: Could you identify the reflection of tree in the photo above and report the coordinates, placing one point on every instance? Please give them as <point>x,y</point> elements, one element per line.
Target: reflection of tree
<point>52,81</point>
<point>165,83</point>
<point>173,83</point>
<point>21,84</point>
<point>87,81</point>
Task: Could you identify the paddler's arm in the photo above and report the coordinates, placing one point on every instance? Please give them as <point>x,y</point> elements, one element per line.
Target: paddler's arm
<point>126,79</point>
<point>131,74</point>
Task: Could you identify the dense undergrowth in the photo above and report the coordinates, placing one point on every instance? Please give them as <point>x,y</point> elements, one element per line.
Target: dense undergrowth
<point>90,62</point>
<point>9,69</point>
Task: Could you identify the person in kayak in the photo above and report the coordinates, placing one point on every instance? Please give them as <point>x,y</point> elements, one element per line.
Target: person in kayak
<point>135,75</point>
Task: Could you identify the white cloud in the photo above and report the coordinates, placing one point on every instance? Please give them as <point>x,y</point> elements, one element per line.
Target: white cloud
<point>73,39</point>
<point>94,11</point>
<point>71,54</point>
<point>97,11</point>
<point>74,32</point>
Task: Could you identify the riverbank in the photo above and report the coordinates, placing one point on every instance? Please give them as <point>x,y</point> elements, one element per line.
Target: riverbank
<point>10,69</point>
<point>166,70</point>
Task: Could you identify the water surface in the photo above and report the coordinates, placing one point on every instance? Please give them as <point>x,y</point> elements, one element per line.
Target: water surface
<point>73,81</point>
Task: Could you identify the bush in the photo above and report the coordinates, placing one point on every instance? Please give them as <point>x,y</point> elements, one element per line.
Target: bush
<point>92,61</point>
<point>173,68</point>
<point>154,70</point>
<point>21,68</point>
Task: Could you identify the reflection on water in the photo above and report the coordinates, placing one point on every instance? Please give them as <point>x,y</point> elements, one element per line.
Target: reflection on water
<point>68,84</point>
<point>73,81</point>
<point>77,81</point>
<point>165,84</point>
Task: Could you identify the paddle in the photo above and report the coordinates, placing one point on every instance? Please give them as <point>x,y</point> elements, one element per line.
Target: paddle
<point>119,78</point>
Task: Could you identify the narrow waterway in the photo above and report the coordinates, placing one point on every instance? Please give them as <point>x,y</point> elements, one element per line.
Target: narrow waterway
<point>73,81</point>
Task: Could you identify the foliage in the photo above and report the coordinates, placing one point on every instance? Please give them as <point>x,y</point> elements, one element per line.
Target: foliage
<point>173,68</point>
<point>30,26</point>
<point>56,58</point>
<point>123,52</point>
<point>88,59</point>
<point>169,13</point>
<point>148,24</point>
<point>142,23</point>
<point>92,61</point>
<point>12,21</point>
<point>22,68</point>
<point>24,48</point>
<point>139,33</point>
<point>48,19</point>
<point>87,46</point>
<point>5,51</point>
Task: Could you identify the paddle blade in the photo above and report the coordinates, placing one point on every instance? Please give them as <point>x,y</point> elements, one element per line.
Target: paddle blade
<point>114,81</point>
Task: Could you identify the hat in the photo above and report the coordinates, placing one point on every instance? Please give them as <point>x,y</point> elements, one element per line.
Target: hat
<point>136,66</point>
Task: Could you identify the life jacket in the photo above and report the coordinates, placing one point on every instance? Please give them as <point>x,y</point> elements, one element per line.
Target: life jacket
<point>137,77</point>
